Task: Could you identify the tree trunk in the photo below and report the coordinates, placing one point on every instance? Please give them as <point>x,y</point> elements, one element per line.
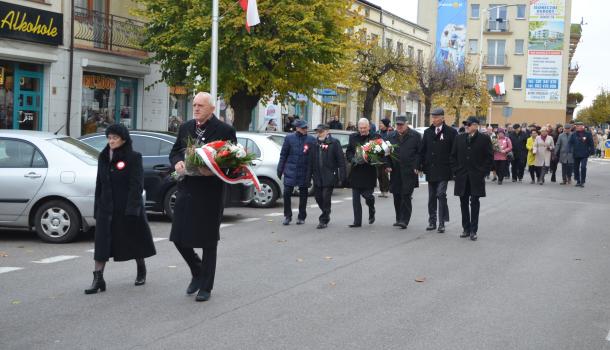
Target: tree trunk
<point>458,111</point>
<point>372,91</point>
<point>427,109</point>
<point>243,103</point>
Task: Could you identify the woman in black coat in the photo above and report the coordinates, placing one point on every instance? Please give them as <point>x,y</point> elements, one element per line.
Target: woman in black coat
<point>122,230</point>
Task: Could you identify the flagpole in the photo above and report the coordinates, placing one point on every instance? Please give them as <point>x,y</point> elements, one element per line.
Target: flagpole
<point>214,67</point>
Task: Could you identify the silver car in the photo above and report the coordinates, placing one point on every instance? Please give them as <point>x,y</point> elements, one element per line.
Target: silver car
<point>47,182</point>
<point>265,167</point>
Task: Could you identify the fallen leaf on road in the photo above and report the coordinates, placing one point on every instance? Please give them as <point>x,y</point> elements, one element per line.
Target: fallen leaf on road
<point>3,255</point>
<point>16,302</point>
<point>328,257</point>
<point>299,260</point>
<point>281,241</point>
<point>333,284</point>
<point>420,279</point>
<point>578,259</point>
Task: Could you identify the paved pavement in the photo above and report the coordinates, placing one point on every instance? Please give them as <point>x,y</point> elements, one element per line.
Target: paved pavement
<point>536,279</point>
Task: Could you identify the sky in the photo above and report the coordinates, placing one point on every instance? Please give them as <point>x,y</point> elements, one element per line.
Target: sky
<point>592,54</point>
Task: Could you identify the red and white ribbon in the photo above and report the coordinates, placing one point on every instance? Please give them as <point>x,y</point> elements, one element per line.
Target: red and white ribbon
<point>208,153</point>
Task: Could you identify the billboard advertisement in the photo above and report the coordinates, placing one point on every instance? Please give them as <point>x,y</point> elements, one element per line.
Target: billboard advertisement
<point>546,42</point>
<point>451,31</point>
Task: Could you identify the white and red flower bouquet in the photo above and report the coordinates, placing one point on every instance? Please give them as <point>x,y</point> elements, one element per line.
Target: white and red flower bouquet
<point>373,152</point>
<point>228,161</point>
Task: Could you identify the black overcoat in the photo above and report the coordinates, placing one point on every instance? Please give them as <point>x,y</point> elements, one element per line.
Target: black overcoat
<point>327,163</point>
<point>199,202</point>
<point>519,142</point>
<point>404,161</point>
<point>436,153</point>
<point>121,230</point>
<point>471,159</point>
<point>363,176</point>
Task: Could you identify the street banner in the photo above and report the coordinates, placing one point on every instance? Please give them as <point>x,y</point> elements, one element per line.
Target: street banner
<point>545,50</point>
<point>451,32</point>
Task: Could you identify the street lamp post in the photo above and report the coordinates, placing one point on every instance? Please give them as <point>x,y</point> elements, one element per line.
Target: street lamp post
<point>214,53</point>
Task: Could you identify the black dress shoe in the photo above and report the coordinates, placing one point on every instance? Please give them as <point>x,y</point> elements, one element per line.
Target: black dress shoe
<point>321,226</point>
<point>396,224</point>
<point>193,286</point>
<point>203,295</point>
<point>402,225</point>
<point>355,225</point>
<point>473,236</point>
<point>431,227</point>
<point>286,221</point>
<point>441,229</point>
<point>465,234</point>
<point>300,222</point>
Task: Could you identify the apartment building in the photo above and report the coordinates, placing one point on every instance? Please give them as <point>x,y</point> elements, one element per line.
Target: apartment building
<point>518,45</point>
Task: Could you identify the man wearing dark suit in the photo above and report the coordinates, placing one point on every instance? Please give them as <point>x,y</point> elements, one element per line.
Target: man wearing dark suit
<point>471,160</point>
<point>403,166</point>
<point>435,162</point>
<point>327,169</point>
<point>363,176</point>
<point>199,202</point>
<point>518,139</point>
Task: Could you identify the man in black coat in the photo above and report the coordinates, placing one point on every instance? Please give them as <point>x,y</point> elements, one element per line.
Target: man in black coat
<point>403,166</point>
<point>327,169</point>
<point>363,176</point>
<point>518,138</point>
<point>436,164</point>
<point>335,124</point>
<point>471,160</point>
<point>199,202</point>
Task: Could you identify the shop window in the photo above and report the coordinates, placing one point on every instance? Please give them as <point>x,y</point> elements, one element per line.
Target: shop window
<point>178,107</point>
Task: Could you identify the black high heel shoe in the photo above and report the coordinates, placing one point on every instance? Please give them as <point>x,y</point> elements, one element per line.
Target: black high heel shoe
<point>141,277</point>
<point>98,283</point>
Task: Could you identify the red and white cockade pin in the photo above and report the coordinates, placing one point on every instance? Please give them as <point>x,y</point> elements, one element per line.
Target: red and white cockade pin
<point>120,165</point>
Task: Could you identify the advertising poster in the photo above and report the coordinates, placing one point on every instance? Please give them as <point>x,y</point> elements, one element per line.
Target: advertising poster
<point>545,50</point>
<point>451,31</point>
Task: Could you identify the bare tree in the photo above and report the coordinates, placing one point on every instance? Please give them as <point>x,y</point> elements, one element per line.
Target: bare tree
<point>433,79</point>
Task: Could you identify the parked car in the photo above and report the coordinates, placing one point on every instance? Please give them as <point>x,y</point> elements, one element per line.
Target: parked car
<point>267,150</point>
<point>160,187</point>
<point>47,182</point>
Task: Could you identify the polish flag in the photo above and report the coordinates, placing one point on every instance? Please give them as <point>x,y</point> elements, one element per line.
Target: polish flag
<point>251,9</point>
<point>500,89</point>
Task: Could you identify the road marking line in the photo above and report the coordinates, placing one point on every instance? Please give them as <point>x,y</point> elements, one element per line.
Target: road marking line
<point>274,214</point>
<point>335,202</point>
<point>225,225</point>
<point>248,220</point>
<point>55,259</point>
<point>90,250</point>
<point>10,269</point>
<point>348,198</point>
<point>159,239</point>
<point>608,336</point>
<point>313,206</point>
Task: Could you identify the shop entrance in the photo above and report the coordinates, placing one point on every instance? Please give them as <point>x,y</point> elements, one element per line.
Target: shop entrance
<point>20,96</point>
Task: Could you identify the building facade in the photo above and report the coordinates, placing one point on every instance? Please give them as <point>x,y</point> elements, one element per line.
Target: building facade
<point>520,48</point>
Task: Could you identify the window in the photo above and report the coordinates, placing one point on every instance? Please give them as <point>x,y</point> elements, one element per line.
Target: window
<point>367,12</point>
<point>166,148</point>
<point>148,146</point>
<point>474,10</point>
<point>517,81</point>
<point>473,46</point>
<point>20,154</point>
<point>496,52</point>
<point>420,56</point>
<point>411,52</point>
<point>519,47</point>
<point>492,80</point>
<point>400,48</point>
<point>78,149</point>
<point>97,142</point>
<point>250,146</point>
<point>498,18</point>
<point>520,11</point>
<point>388,44</point>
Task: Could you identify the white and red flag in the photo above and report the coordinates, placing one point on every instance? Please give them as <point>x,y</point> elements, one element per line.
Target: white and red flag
<point>500,89</point>
<point>251,9</point>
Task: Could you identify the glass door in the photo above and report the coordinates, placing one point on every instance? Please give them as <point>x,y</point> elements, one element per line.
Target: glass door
<point>126,102</point>
<point>27,113</point>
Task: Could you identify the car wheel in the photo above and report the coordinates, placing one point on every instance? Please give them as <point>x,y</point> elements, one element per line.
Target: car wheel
<point>267,196</point>
<point>57,221</point>
<point>169,201</point>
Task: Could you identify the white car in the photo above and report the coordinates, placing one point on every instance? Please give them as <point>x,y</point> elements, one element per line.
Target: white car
<point>47,182</point>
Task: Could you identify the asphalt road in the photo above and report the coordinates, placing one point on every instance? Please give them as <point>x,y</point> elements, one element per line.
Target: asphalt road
<point>537,278</point>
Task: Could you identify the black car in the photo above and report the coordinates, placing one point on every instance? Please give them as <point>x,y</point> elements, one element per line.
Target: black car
<point>159,185</point>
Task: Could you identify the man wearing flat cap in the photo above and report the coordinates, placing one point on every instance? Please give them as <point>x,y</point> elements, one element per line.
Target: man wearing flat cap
<point>294,167</point>
<point>471,160</point>
<point>435,163</point>
<point>518,138</point>
<point>403,167</point>
<point>327,169</point>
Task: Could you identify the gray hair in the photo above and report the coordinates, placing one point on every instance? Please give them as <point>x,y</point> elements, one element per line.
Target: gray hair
<point>364,121</point>
<point>207,97</point>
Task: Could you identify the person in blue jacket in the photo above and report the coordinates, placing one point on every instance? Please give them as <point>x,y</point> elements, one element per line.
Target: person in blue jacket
<point>293,166</point>
<point>581,143</point>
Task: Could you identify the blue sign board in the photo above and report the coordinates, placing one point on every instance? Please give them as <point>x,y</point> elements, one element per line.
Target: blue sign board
<point>451,31</point>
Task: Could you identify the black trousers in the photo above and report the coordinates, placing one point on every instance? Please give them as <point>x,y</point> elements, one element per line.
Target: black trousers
<point>437,194</point>
<point>535,172</point>
<point>580,169</point>
<point>302,201</point>
<point>470,211</point>
<point>501,169</point>
<point>403,206</point>
<point>518,168</point>
<point>384,179</point>
<point>204,267</point>
<point>566,171</point>
<point>323,195</point>
<point>553,168</point>
<point>367,194</point>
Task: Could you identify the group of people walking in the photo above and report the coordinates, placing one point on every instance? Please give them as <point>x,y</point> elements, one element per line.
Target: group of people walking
<point>441,154</point>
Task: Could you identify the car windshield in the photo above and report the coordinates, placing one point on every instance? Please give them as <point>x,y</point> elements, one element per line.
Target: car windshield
<point>78,149</point>
<point>279,139</point>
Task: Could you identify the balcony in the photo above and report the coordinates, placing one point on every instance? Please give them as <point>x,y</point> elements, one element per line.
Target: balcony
<point>497,26</point>
<point>495,62</point>
<point>105,32</point>
<point>497,99</point>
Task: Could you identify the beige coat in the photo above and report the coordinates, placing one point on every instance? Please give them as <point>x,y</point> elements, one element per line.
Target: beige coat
<point>543,150</point>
